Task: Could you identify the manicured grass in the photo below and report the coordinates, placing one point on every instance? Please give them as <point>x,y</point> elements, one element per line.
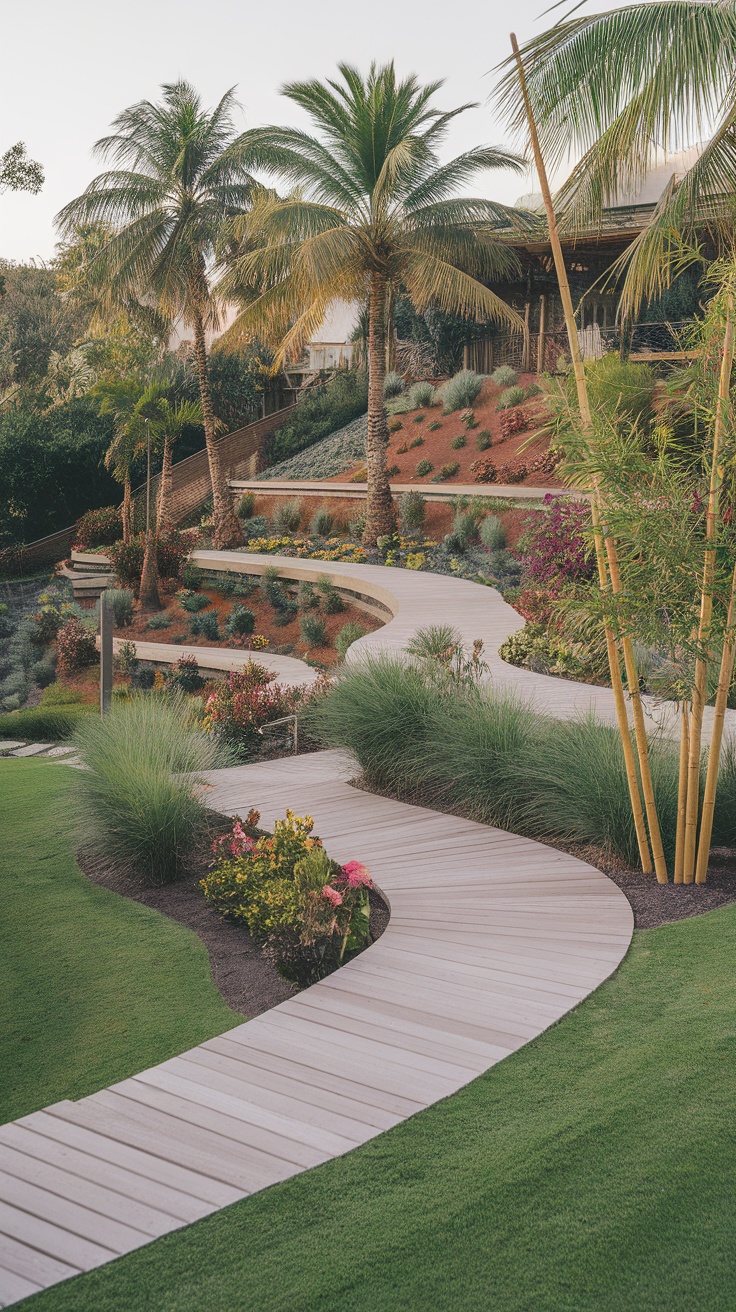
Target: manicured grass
<point>94,987</point>
<point>590,1172</point>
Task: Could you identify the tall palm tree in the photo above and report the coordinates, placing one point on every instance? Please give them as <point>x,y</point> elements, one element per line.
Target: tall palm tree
<point>119,399</point>
<point>371,209</point>
<point>618,88</point>
<point>175,179</point>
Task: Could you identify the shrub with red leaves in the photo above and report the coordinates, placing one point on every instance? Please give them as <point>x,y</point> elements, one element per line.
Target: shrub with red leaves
<point>513,421</point>
<point>484,471</point>
<point>75,647</point>
<point>557,548</point>
<point>98,528</point>
<point>126,558</point>
<point>512,473</point>
<point>245,701</point>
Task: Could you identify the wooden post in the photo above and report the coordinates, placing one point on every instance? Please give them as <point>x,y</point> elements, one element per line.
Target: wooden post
<point>107,622</point>
<point>526,349</point>
<point>682,792</point>
<point>602,551</point>
<point>714,755</point>
<point>542,330</point>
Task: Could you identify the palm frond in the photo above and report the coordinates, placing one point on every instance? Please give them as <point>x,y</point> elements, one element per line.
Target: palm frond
<point>433,281</point>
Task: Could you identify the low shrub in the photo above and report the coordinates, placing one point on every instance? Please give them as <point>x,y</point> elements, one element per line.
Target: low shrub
<point>461,391</point>
<point>492,533</point>
<point>45,624</point>
<point>421,396</point>
<point>44,724</point>
<point>143,677</point>
<point>393,385</point>
<point>458,442</point>
<point>392,471</point>
<point>240,622</point>
<point>484,471</point>
<point>312,630</point>
<point>192,576</point>
<point>186,676</point>
<point>423,468</point>
<point>483,439</point>
<point>256,527</point>
<point>332,602</point>
<point>246,505</point>
<point>557,548</point>
<point>505,376</point>
<point>305,910</point>
<point>395,425</point>
<point>418,441</point>
<point>510,397</point>
<point>160,621</point>
<point>347,635</point>
<point>307,597</point>
<point>533,389</point>
<point>469,419</point>
<point>514,472</point>
<point>172,550</point>
<point>287,517</point>
<point>513,421</point>
<point>447,471</point>
<point>432,428</point>
<point>205,626</point>
<point>322,523</point>
<point>75,647</point>
<point>98,528</point>
<point>244,702</point>
<point>126,658</point>
<point>137,802</point>
<point>43,673</point>
<point>58,695</point>
<point>194,602</point>
<point>120,601</point>
<point>411,506</point>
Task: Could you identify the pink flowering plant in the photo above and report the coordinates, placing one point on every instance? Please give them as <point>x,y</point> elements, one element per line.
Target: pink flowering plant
<point>239,706</point>
<point>305,910</point>
<point>557,549</point>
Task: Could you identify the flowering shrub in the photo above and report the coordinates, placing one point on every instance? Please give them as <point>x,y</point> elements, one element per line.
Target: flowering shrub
<point>249,698</point>
<point>98,528</point>
<point>332,549</point>
<point>557,548</point>
<point>46,624</point>
<point>75,646</point>
<point>172,550</point>
<point>303,908</point>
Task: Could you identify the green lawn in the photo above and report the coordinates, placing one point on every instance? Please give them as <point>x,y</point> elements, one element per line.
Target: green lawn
<point>594,1170</point>
<point>92,987</point>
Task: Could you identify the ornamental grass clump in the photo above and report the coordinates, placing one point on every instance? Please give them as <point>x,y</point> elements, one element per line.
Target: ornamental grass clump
<point>287,517</point>
<point>505,376</point>
<point>304,909</point>
<point>421,396</point>
<point>347,635</point>
<point>460,392</point>
<point>120,601</point>
<point>137,801</point>
<point>312,630</point>
<point>393,385</point>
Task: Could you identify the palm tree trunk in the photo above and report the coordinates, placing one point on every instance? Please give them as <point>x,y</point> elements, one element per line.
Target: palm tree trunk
<point>148,594</point>
<point>126,514</point>
<point>227,531</point>
<point>165,489</point>
<point>380,517</point>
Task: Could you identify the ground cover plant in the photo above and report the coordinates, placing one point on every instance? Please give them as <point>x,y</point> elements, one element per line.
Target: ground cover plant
<point>553,1182</point>
<point>96,987</point>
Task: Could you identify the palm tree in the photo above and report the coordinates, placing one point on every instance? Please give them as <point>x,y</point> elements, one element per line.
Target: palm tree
<point>371,209</point>
<point>168,418</point>
<point>119,399</point>
<point>177,179</point>
<point>619,88</point>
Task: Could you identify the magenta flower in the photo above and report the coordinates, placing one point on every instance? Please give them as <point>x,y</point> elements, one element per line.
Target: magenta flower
<point>356,875</point>
<point>332,895</point>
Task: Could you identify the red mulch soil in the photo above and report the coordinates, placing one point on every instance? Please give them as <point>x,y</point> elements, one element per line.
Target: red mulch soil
<point>288,635</point>
<point>436,446</point>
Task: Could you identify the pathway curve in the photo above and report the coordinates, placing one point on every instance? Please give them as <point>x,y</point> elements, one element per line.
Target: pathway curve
<point>492,938</point>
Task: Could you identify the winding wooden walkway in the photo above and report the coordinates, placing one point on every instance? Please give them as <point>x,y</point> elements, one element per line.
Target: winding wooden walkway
<point>492,938</point>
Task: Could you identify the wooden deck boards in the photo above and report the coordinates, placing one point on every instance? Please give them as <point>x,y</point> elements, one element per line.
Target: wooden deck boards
<point>492,938</point>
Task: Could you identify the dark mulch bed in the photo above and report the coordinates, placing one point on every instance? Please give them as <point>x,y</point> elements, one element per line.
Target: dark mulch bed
<point>656,904</point>
<point>248,983</point>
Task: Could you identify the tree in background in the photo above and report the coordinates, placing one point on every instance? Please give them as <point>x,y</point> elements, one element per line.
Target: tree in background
<point>617,89</point>
<point>168,418</point>
<point>18,172</point>
<point>175,179</point>
<point>378,211</point>
<point>119,400</point>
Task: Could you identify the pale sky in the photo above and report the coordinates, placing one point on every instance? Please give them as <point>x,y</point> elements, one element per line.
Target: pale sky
<point>69,67</point>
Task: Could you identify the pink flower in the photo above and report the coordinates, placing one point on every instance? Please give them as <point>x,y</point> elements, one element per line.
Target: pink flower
<point>332,895</point>
<point>356,875</point>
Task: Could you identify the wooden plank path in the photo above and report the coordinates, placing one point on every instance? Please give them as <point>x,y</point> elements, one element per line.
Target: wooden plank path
<point>492,938</point>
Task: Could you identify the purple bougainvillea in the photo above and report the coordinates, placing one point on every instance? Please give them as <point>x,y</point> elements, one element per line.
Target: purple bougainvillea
<point>557,549</point>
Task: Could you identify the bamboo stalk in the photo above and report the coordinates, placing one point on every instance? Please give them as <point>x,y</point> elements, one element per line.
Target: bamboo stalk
<point>682,792</point>
<point>714,756</point>
<point>706,604</point>
<point>604,554</point>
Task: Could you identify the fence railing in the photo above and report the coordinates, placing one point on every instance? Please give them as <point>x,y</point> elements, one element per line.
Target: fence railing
<point>542,351</point>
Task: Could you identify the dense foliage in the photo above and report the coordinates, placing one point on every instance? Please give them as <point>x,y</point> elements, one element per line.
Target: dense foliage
<point>326,407</point>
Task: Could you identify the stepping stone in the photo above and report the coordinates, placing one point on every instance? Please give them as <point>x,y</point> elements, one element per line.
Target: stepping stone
<point>61,751</point>
<point>7,745</point>
<point>33,749</point>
